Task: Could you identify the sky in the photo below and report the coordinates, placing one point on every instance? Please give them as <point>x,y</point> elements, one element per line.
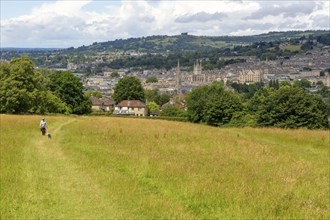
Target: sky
<point>73,23</point>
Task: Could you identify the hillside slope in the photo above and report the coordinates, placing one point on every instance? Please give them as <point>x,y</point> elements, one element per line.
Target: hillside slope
<point>186,42</point>
<point>99,167</point>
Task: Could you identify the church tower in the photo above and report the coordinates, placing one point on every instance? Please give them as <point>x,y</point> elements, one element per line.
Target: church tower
<point>178,78</point>
<point>198,68</point>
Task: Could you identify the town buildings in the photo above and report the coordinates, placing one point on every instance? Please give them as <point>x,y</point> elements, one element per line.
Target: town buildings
<point>311,65</point>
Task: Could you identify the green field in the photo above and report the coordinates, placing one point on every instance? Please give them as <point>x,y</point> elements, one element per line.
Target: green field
<point>130,168</point>
<point>291,48</point>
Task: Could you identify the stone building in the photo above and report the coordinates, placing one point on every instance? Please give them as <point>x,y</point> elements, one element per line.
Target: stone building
<point>197,76</point>
<point>251,76</point>
<point>313,73</point>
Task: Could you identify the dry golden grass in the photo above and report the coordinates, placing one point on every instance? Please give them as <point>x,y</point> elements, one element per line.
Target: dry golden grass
<point>101,167</point>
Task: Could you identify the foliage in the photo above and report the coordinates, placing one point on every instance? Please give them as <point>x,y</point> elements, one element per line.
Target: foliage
<point>153,107</point>
<point>151,94</point>
<point>90,93</point>
<point>285,83</point>
<point>304,83</point>
<point>152,79</point>
<point>186,48</point>
<point>114,74</point>
<point>220,108</point>
<point>247,90</point>
<point>196,102</point>
<point>172,111</point>
<point>259,98</point>
<point>324,39</point>
<point>274,84</point>
<point>291,107</point>
<point>163,98</point>
<point>154,95</point>
<point>268,56</point>
<point>243,119</point>
<point>69,89</point>
<point>24,90</point>
<point>128,88</point>
<point>308,45</point>
<point>212,104</point>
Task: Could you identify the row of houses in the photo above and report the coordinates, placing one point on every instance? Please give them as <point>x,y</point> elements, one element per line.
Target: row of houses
<point>125,107</point>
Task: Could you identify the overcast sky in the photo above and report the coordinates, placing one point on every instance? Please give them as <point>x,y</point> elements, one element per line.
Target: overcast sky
<point>66,23</point>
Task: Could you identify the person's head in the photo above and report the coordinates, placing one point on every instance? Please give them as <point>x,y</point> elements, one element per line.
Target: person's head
<point>43,119</point>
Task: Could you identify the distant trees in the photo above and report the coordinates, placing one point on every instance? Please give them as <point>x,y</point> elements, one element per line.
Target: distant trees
<point>155,96</point>
<point>114,74</point>
<point>128,88</point>
<point>304,83</point>
<point>152,79</point>
<point>274,84</point>
<point>247,90</point>
<point>268,56</point>
<point>324,39</point>
<point>90,93</point>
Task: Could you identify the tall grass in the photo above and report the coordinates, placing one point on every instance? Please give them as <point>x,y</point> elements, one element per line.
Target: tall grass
<point>99,167</point>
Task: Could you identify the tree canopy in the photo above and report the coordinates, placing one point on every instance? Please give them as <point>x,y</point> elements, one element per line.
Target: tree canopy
<point>152,79</point>
<point>69,89</point>
<point>291,107</point>
<point>128,88</point>
<point>212,104</point>
<point>24,90</point>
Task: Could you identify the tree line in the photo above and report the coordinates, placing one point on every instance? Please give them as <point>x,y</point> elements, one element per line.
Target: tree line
<point>279,105</point>
<point>24,89</point>
<point>285,107</point>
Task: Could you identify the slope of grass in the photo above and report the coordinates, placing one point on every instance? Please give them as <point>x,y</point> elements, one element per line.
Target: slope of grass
<point>291,48</point>
<point>99,167</point>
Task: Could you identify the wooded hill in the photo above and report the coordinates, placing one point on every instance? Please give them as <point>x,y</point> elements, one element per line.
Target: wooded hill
<point>186,42</point>
<point>164,51</point>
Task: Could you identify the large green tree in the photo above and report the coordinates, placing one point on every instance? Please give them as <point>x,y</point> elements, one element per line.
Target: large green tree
<point>291,107</point>
<point>196,103</point>
<point>212,104</point>
<point>24,89</point>
<point>128,88</point>
<point>68,88</point>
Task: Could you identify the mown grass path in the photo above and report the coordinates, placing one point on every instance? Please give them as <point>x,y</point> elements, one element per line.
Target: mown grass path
<point>114,168</point>
<point>68,191</point>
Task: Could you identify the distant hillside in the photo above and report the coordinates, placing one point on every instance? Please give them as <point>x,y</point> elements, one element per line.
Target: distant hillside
<point>185,47</point>
<point>186,42</point>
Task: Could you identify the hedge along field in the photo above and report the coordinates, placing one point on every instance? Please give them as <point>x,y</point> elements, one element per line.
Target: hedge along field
<point>130,168</point>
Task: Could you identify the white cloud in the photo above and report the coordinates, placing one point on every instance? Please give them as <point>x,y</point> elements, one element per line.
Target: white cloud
<point>69,23</point>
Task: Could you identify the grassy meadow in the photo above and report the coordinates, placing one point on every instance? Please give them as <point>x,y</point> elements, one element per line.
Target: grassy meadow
<point>131,168</point>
